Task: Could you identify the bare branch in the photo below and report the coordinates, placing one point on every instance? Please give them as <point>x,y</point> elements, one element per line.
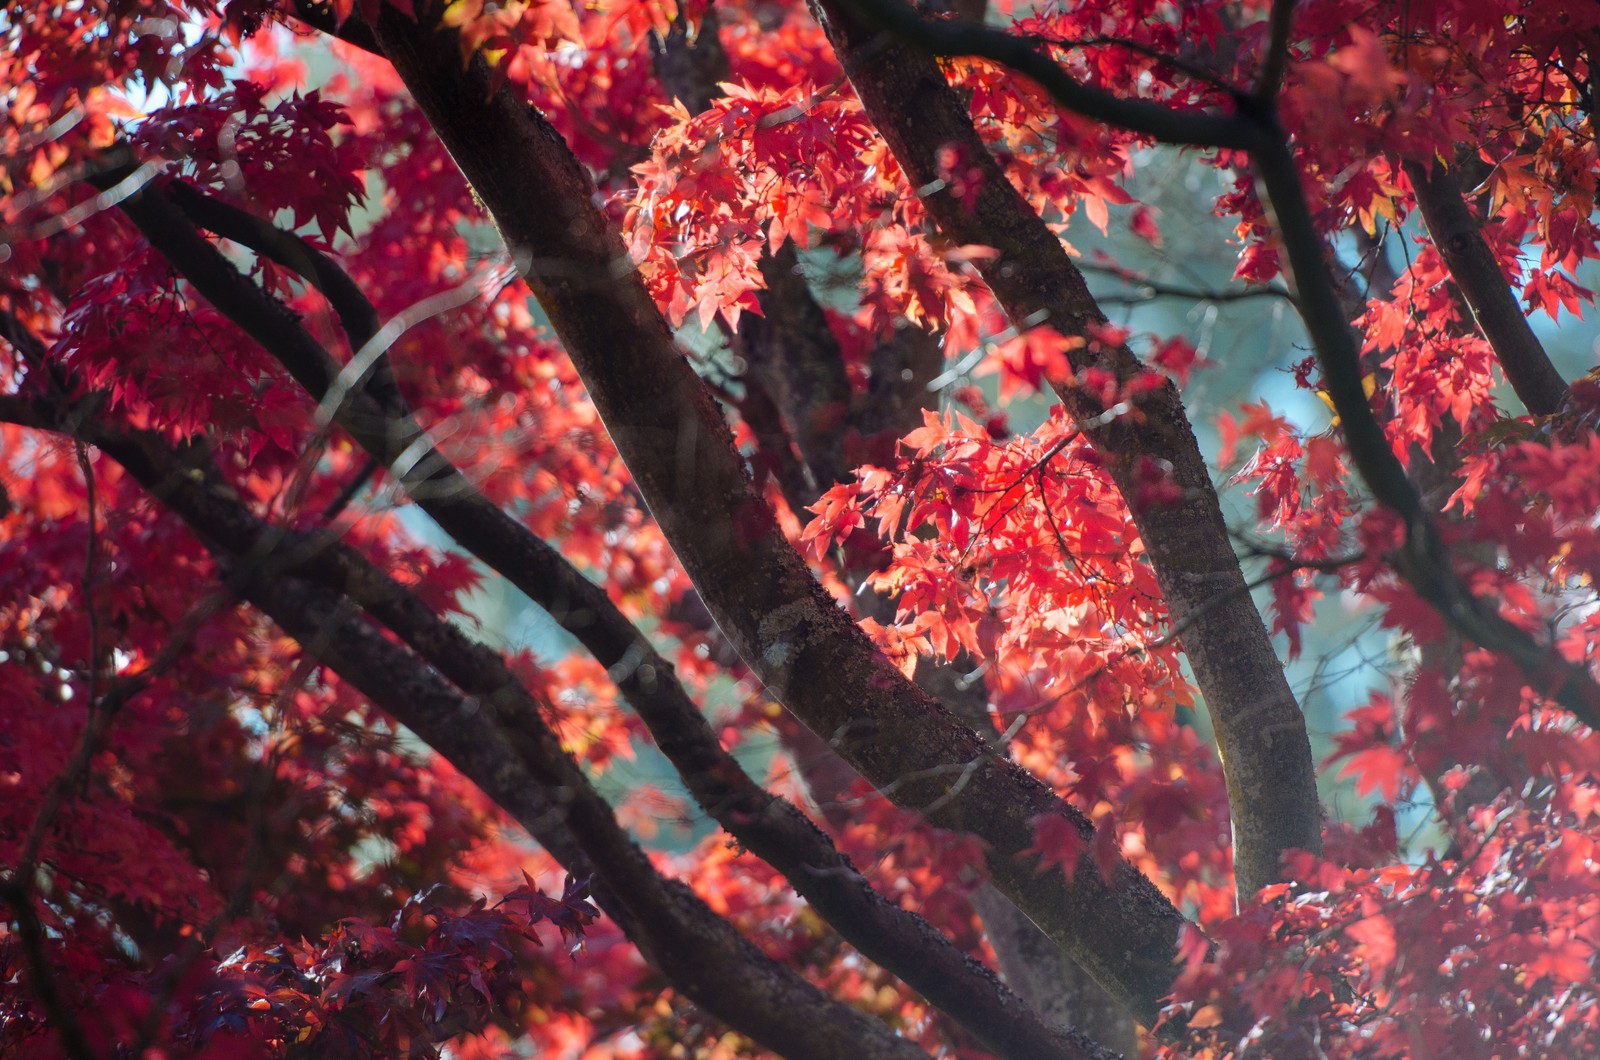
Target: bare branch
<point>1146,289</point>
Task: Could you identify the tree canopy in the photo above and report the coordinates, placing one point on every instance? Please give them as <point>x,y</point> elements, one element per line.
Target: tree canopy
<point>715,334</point>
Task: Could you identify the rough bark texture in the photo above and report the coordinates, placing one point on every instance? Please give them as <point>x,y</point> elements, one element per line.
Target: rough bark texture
<point>1034,966</point>
<point>1048,979</point>
<point>1259,726</point>
<point>812,657</point>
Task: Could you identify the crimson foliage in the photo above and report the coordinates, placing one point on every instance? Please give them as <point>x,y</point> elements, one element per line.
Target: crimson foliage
<point>275,785</point>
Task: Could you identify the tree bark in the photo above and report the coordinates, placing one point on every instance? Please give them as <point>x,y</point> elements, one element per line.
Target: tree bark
<point>902,366</point>
<point>1260,730</point>
<point>813,659</point>
<point>463,701</point>
<point>1254,126</point>
<point>771,828</point>
<point>518,763</point>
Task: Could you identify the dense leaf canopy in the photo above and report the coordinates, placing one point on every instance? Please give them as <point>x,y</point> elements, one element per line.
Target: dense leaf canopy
<point>906,680</point>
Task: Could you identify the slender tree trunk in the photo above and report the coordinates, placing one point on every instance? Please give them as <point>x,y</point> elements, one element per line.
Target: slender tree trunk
<point>791,345</point>
<point>1259,727</point>
<point>811,656</point>
<point>795,364</point>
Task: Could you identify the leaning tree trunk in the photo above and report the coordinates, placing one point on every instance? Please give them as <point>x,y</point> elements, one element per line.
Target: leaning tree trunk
<point>1260,730</point>
<point>809,653</point>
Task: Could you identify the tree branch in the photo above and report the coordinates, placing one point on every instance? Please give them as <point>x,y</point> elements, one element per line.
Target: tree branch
<point>497,736</point>
<point>791,344</point>
<point>903,365</point>
<point>791,350</point>
<point>1279,22</point>
<point>1423,560</point>
<point>40,974</point>
<point>775,449</point>
<point>501,743</point>
<point>1265,749</point>
<point>813,659</point>
<point>691,68</point>
<point>18,883</point>
<point>1472,265</point>
<point>1168,125</point>
<point>1146,289</point>
<point>769,827</point>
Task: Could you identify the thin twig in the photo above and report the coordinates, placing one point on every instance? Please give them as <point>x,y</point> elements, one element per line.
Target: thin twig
<point>1175,62</point>
<point>350,490</point>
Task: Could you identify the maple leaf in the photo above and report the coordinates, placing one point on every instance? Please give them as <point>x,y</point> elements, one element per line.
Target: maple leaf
<point>1057,843</point>
<point>171,748</point>
<point>572,913</point>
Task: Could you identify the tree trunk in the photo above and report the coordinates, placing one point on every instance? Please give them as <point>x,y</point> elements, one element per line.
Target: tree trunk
<point>1260,731</point>
<point>811,656</point>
